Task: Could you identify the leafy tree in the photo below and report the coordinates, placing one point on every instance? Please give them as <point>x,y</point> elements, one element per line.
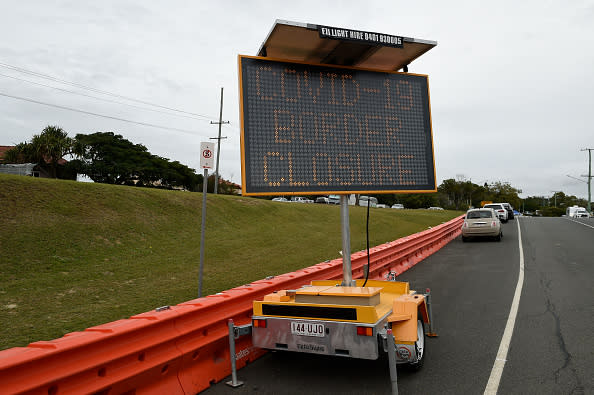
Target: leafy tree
<point>46,149</point>
<point>504,192</point>
<point>109,158</point>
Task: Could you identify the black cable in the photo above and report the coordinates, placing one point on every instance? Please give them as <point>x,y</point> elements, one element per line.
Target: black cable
<point>367,234</point>
<point>98,115</point>
<point>101,98</point>
<point>55,79</point>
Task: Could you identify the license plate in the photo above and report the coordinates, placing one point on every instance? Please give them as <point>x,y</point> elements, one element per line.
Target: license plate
<point>307,329</point>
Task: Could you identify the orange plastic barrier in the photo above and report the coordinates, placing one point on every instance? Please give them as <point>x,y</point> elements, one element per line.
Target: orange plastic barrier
<point>183,349</point>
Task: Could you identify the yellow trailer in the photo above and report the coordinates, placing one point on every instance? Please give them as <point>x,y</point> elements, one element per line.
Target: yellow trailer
<point>328,318</point>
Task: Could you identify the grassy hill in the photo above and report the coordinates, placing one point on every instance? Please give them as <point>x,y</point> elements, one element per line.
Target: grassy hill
<point>74,255</point>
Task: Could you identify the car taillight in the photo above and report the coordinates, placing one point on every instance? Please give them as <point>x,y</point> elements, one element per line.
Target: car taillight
<point>364,331</point>
<point>493,224</point>
<point>465,224</point>
<point>501,211</point>
<point>257,323</point>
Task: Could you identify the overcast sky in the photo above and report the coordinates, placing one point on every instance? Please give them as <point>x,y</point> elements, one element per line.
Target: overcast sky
<point>511,82</point>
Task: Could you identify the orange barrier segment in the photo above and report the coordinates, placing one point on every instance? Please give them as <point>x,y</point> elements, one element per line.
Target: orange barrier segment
<point>183,349</point>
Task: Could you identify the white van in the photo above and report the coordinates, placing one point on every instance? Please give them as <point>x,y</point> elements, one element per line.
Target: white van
<point>364,199</point>
<point>573,211</point>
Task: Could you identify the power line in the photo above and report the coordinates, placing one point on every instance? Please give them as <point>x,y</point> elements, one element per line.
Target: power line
<point>97,115</point>
<point>100,98</point>
<point>56,79</point>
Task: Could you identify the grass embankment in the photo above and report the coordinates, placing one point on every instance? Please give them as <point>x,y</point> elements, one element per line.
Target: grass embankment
<point>75,255</point>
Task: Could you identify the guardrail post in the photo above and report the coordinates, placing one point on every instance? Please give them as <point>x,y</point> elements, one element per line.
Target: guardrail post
<point>431,332</point>
<point>233,383</point>
<point>392,361</point>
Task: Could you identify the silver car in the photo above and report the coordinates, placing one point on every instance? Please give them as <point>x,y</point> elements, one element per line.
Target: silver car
<point>481,222</point>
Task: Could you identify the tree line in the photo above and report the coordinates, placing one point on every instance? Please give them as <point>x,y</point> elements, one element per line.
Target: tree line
<point>460,195</point>
<point>109,158</point>
<point>104,157</point>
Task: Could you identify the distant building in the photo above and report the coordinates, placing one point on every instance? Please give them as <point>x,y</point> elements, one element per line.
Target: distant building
<point>19,169</point>
<point>23,169</point>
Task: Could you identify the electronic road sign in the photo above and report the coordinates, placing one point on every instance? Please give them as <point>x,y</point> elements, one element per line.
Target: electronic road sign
<point>319,129</point>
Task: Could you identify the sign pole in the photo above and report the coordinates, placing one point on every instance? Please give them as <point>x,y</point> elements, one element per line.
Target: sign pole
<point>202,230</point>
<point>206,162</point>
<point>347,275</point>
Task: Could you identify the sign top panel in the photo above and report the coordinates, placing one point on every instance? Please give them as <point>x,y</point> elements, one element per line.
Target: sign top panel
<point>311,43</point>
<point>320,129</point>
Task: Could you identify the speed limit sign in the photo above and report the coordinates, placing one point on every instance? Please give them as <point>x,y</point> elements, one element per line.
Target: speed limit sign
<point>206,155</point>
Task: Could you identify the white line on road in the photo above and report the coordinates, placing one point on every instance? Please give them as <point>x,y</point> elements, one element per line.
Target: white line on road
<point>581,223</point>
<point>499,364</point>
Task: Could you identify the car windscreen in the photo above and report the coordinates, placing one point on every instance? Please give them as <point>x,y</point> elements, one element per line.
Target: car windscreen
<point>479,214</point>
<point>493,206</point>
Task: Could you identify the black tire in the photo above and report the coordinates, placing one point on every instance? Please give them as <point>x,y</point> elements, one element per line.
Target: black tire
<point>499,236</point>
<point>421,347</point>
<point>464,239</point>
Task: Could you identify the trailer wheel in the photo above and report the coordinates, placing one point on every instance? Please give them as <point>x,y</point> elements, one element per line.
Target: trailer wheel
<point>420,346</point>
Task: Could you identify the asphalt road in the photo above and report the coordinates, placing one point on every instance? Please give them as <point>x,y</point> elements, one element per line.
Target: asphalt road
<point>473,284</point>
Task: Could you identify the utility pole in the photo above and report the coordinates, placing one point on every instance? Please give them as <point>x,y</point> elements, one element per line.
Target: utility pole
<point>216,185</point>
<point>555,194</point>
<point>589,176</point>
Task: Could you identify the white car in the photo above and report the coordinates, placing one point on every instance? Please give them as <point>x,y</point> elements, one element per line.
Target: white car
<point>367,200</point>
<point>499,209</point>
<point>398,206</point>
<point>280,199</point>
<point>301,199</point>
<point>334,199</point>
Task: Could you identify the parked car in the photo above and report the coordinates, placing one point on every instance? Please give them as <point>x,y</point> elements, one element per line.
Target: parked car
<point>509,208</point>
<point>499,209</point>
<point>380,205</point>
<point>322,200</point>
<point>481,222</point>
<point>398,206</point>
<point>364,199</point>
<point>280,199</point>
<point>334,199</point>
<point>301,199</point>
<point>435,208</point>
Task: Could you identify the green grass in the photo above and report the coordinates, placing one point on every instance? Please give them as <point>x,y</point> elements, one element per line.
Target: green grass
<point>75,255</point>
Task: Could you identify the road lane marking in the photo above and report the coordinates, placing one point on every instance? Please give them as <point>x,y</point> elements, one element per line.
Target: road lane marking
<point>581,223</point>
<point>501,358</point>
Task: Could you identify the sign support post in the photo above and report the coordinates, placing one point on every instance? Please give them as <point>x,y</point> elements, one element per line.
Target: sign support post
<point>347,274</point>
<point>206,159</point>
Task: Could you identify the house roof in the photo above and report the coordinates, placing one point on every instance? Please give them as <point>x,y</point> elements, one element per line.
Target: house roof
<point>3,149</point>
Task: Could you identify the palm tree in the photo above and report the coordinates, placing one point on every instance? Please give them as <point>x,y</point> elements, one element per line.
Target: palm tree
<point>45,149</point>
<point>50,146</point>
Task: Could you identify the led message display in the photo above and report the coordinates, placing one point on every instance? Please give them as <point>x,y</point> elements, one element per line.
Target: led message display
<point>319,129</point>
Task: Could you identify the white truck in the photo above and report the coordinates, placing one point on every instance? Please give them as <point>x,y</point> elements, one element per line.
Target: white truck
<point>577,212</point>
